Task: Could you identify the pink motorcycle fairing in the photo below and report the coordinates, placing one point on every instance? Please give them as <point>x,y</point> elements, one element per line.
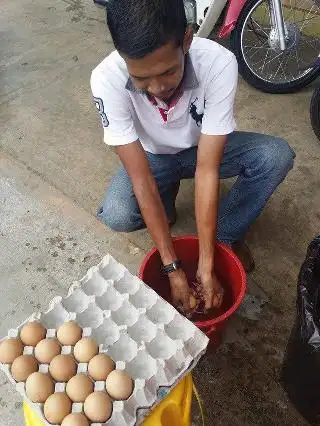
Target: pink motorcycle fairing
<point>234,9</point>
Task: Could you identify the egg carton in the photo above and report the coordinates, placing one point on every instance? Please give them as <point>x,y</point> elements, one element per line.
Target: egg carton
<point>131,323</point>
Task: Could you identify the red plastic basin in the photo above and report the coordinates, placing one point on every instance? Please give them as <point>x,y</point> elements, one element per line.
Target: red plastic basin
<point>227,268</point>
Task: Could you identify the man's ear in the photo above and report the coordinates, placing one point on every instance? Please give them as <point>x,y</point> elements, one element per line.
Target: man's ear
<point>188,37</point>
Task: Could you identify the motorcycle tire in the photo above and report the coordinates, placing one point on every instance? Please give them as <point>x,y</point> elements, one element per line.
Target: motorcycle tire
<point>253,79</point>
<point>315,112</point>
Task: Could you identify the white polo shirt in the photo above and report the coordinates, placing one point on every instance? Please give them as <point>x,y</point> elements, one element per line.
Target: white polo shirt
<point>205,106</point>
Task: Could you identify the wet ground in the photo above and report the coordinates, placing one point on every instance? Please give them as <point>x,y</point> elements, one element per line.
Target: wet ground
<point>54,169</point>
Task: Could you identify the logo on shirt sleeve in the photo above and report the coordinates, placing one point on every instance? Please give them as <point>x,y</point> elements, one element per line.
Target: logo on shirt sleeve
<point>99,104</point>
<point>194,113</point>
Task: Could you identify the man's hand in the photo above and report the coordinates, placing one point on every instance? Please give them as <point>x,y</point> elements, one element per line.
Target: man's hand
<point>180,291</point>
<point>212,290</point>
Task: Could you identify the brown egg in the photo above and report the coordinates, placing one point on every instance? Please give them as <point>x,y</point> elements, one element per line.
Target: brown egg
<point>69,333</point>
<point>62,368</point>
<point>39,387</point>
<point>32,333</point>
<point>194,302</point>
<point>100,366</point>
<point>23,366</point>
<point>119,385</point>
<point>75,419</point>
<point>98,407</point>
<point>57,407</point>
<point>85,349</point>
<point>79,387</point>
<point>46,350</point>
<point>10,349</point>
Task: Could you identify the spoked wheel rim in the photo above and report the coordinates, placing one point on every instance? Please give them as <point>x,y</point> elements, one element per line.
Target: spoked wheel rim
<point>260,44</point>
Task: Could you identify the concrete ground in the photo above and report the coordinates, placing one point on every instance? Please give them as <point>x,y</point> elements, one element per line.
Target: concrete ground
<point>53,171</point>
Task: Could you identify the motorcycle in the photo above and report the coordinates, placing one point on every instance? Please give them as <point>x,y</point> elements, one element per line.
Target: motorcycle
<point>315,111</point>
<point>276,42</point>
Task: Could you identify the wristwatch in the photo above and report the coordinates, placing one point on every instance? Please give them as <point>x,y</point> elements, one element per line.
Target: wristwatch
<point>172,267</point>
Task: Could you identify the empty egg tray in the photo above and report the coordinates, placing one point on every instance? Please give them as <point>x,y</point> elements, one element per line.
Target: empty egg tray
<point>140,331</point>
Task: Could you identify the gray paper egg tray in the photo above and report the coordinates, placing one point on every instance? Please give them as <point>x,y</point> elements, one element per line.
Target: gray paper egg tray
<point>139,330</point>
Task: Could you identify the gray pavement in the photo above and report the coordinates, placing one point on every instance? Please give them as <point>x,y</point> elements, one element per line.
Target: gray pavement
<point>53,171</point>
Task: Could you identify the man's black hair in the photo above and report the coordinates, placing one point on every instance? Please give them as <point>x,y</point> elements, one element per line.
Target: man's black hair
<point>139,27</point>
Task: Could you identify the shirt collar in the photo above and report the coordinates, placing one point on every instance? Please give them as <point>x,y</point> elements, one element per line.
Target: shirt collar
<point>189,82</point>
<point>190,79</point>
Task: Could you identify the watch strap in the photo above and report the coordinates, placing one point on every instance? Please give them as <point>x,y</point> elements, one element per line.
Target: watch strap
<point>172,267</point>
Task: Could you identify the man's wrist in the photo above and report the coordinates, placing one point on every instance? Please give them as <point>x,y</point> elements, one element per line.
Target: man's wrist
<point>205,268</point>
<point>167,255</point>
<point>206,264</point>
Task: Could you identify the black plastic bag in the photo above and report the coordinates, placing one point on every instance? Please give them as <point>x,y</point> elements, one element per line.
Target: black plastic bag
<point>301,365</point>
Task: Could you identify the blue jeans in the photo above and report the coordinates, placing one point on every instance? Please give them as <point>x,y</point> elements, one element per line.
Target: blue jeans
<point>261,163</point>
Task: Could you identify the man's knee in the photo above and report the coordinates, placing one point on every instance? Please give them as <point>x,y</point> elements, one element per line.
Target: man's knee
<point>277,157</point>
<point>118,216</point>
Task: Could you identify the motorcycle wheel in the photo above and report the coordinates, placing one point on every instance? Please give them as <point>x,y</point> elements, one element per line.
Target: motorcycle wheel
<point>315,112</point>
<point>261,62</point>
